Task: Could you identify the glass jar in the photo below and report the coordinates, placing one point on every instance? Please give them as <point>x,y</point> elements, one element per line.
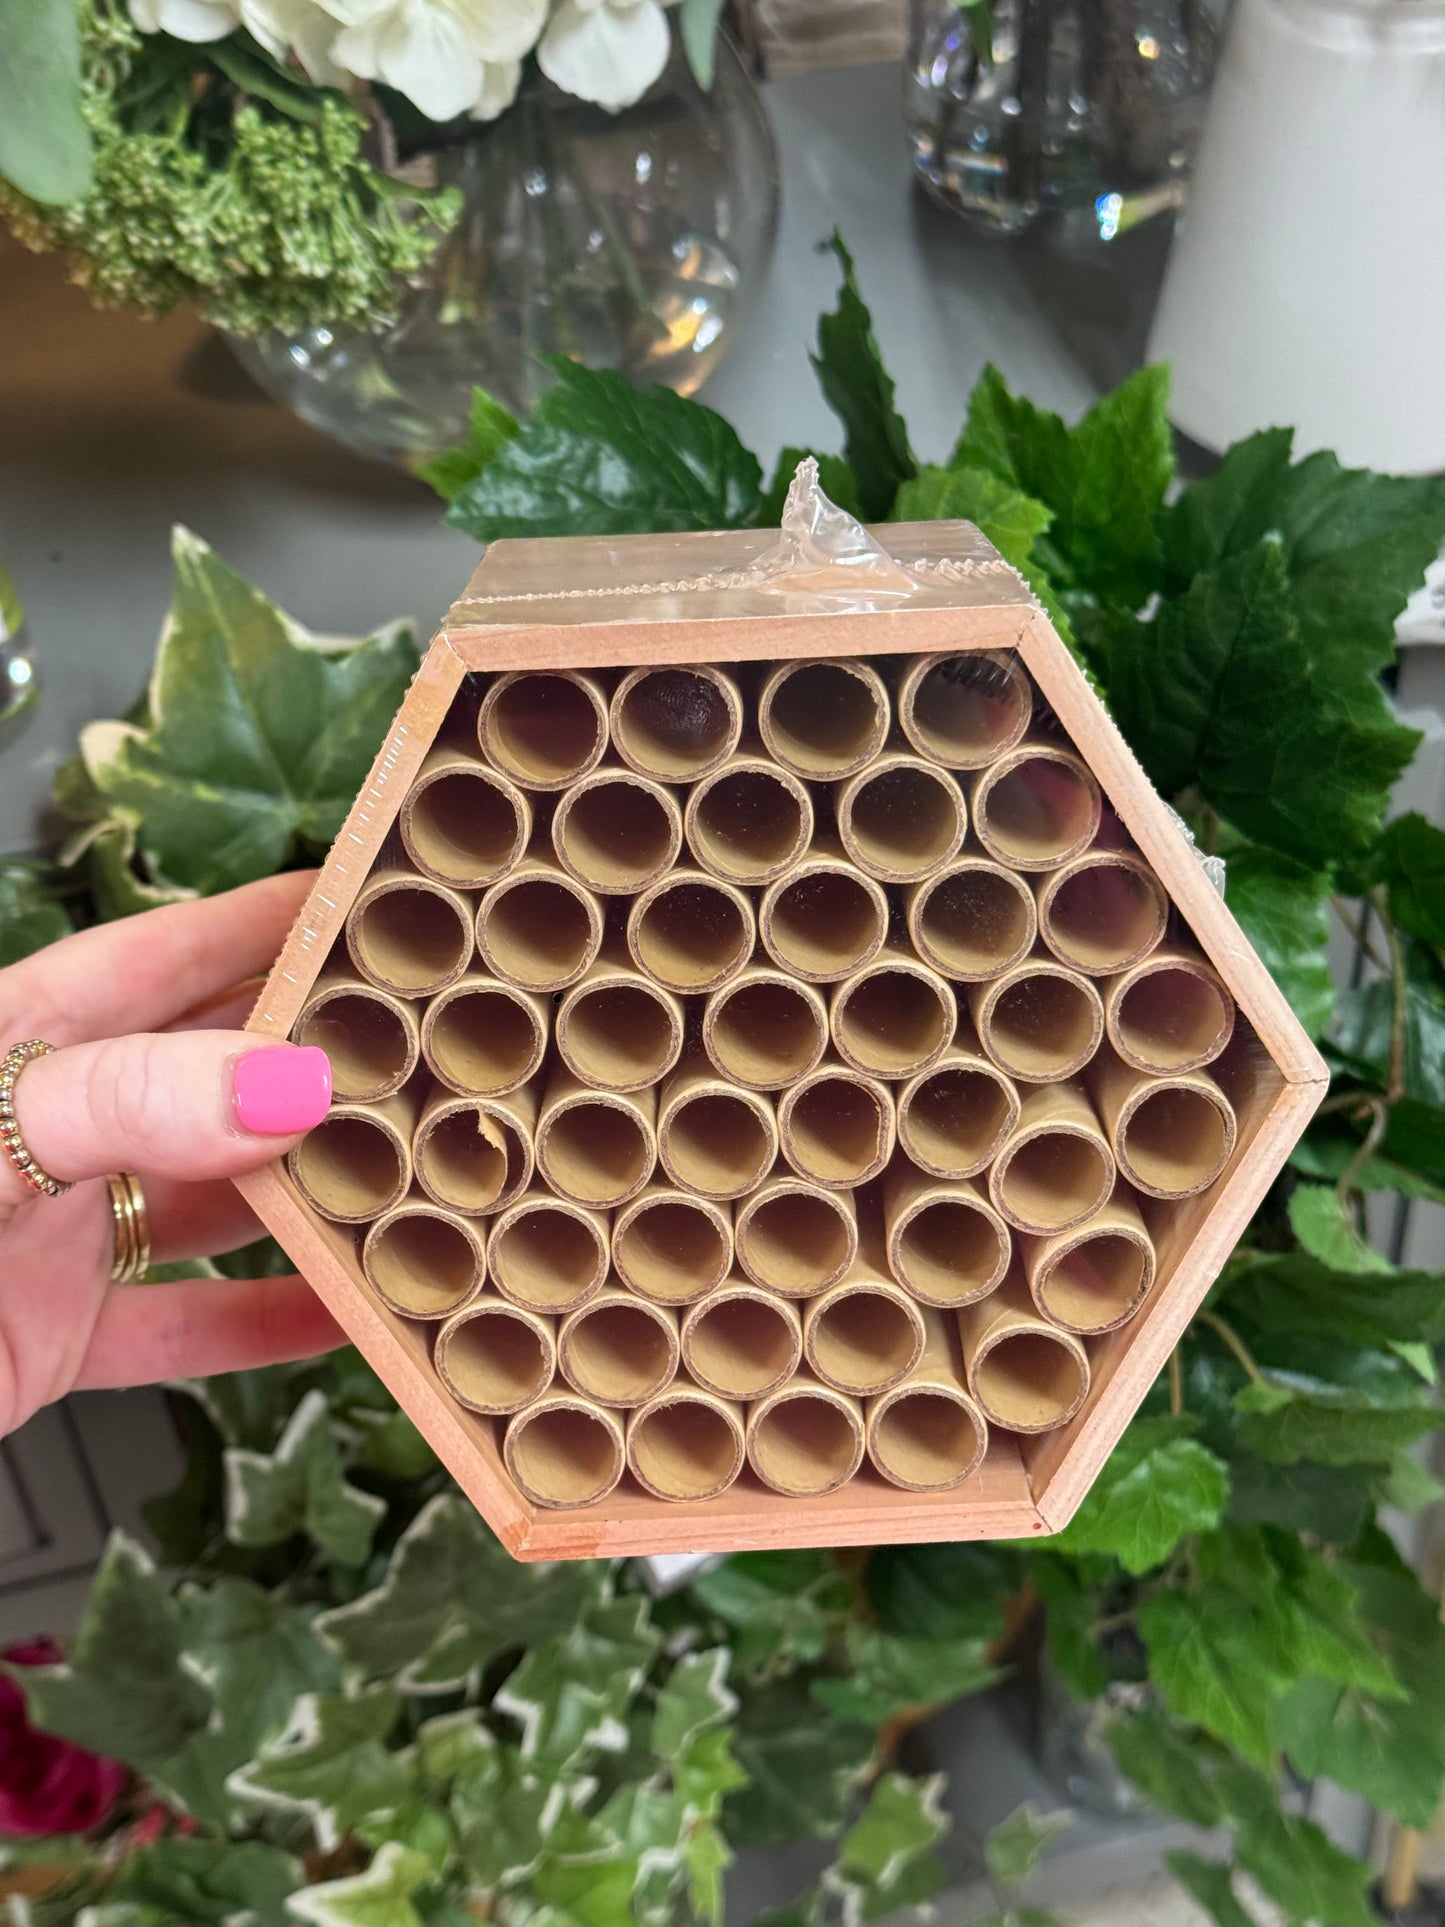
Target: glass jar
<point>18,686</point>
<point>1077,116</point>
<point>634,241</point>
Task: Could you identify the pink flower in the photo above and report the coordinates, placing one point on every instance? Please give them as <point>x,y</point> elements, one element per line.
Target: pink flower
<point>46,1784</point>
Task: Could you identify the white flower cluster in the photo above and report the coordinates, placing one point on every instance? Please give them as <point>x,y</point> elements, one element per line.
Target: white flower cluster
<point>448,57</point>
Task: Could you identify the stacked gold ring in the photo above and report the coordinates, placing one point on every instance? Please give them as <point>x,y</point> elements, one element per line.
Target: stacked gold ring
<point>132,1228</point>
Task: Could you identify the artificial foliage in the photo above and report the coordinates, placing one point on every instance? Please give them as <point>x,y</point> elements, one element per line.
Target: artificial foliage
<point>350,1706</point>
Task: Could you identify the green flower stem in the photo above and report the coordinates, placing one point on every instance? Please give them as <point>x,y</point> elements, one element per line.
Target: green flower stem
<point>1235,1343</point>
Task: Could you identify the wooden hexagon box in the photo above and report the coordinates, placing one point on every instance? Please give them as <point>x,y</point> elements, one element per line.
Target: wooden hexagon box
<point>795,1078</point>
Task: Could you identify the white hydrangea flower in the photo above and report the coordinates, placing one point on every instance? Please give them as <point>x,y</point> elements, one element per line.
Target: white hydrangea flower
<point>302,27</point>
<point>195,20</point>
<point>605,51</point>
<point>440,53</point>
<point>499,88</point>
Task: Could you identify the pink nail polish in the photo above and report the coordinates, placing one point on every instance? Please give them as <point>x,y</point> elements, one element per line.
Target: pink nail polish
<point>281,1089</point>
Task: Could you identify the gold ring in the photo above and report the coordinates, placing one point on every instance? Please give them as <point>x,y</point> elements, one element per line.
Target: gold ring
<point>11,1142</point>
<point>132,1228</point>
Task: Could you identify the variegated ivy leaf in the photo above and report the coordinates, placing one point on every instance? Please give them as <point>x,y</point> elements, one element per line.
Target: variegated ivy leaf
<point>257,1655</point>
<point>695,1697</point>
<point>107,851</point>
<point>572,1694</point>
<point>886,1860</point>
<point>332,1763</point>
<point>209,1882</point>
<point>300,1487</point>
<point>1016,1845</point>
<point>505,1817</point>
<point>380,1897</point>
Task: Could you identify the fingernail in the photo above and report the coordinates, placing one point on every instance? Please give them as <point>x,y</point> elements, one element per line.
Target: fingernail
<point>282,1089</point>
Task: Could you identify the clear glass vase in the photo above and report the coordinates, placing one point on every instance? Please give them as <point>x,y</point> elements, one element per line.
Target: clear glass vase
<point>1077,116</point>
<point>633,241</point>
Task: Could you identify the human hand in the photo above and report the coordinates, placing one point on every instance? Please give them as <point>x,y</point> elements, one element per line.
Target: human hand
<point>135,1084</point>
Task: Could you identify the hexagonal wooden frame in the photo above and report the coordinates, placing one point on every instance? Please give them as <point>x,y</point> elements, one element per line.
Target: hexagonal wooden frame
<point>597,602</point>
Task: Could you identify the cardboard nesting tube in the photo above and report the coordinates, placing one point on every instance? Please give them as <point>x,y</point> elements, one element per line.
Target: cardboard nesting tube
<point>370,1036</point>
<point>671,1247</point>
<point>893,1018</point>
<point>483,1038</point>
<point>1036,807</point>
<point>1169,1013</point>
<point>742,1342</point>
<point>616,831</point>
<point>424,1262</point>
<point>544,728</point>
<point>1056,1170</point>
<point>901,819</point>
<point>686,1444</point>
<point>617,1349</point>
<point>616,1030</point>
<point>538,928</point>
<point>462,822</point>
<point>1172,1136</point>
<point>764,1029</point>
<point>823,919</point>
<point>597,1148</point>
<point>714,1138</point>
<point>1027,1375</point>
<point>356,1163</point>
<point>965,710</point>
<point>927,1433</point>
<point>494,1357</point>
<point>564,1452</point>
<point>863,1336</point>
<point>408,934</point>
<point>837,1126</point>
<point>805,1439</point>
<point>1039,1022</point>
<point>1102,912</point>
<point>547,1255</point>
<point>676,721</point>
<point>749,821</point>
<point>974,920</point>
<point>1095,1278</point>
<point>794,1238</point>
<point>947,1244</point>
<point>691,932</point>
<point>474,1154</point>
<point>953,1118</point>
<point>823,720</point>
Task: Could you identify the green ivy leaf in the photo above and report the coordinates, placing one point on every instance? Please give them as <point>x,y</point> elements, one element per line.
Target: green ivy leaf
<point>491,426</point>
<point>802,1764</point>
<point>1071,1614</point>
<point>1283,909</point>
<point>31,915</point>
<point>1329,1146</point>
<point>1329,1502</point>
<point>956,1591</point>
<point>197,1880</point>
<point>380,1897</point>
<point>1166,1765</point>
<point>300,1487</point>
<point>694,1699</point>
<point>45,145</point>
<point>1013,1849</point>
<point>1011,520</point>
<point>1211,1883</point>
<point>859,390</point>
<point>707,1771</point>
<point>887,1673</point>
<point>120,879</point>
<point>572,1693</point>
<point>1410,862</point>
<point>1293,1861</point>
<point>1214,1664</point>
<point>1157,1485</point>
<point>1331,1425</point>
<point>838,482</point>
<point>505,1816</point>
<point>886,1860</point>
<point>333,1763</point>
<point>257,1655</point>
<point>783,1607</point>
<point>1326,1227</point>
<point>1363,1032</point>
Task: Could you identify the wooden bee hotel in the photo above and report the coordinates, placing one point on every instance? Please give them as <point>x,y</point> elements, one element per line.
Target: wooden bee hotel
<point>794,1078</point>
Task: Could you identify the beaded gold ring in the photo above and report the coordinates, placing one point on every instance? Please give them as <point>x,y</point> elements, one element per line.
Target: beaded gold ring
<point>13,1145</point>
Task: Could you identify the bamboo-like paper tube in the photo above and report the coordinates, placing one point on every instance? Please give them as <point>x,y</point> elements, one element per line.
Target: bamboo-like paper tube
<point>424,1262</point>
<point>893,1018</point>
<point>408,934</point>
<point>474,1154</point>
<point>564,1451</point>
<point>543,728</point>
<point>1102,912</point>
<point>946,1242</point>
<point>538,928</point>
<point>795,1239</point>
<point>823,919</point>
<point>1169,1013</point>
<point>713,1138</point>
<point>676,722</point>
<point>974,920</point>
<point>462,822</point>
<point>927,1434</point>
<point>670,1247</point>
<point>616,1030</point>
<point>901,819</point>
<point>356,1163</point>
<point>1036,807</point>
<point>1026,1374</point>
<point>686,1444</point>
<point>1056,1170</point>
<point>1172,1136</point>
<point>1095,1278</point>
<point>765,1030</point>
<point>548,1255</point>
<point>596,1147</point>
<point>617,1349</point>
<point>482,1038</point>
<point>952,1119</point>
<point>864,1335</point>
<point>616,831</point>
<point>964,710</point>
<point>369,1035</point>
<point>494,1357</point>
<point>823,720</point>
<point>742,1342</point>
<point>837,1126</point>
<point>1039,1022</point>
<point>749,821</point>
<point>805,1439</point>
<point>691,932</point>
